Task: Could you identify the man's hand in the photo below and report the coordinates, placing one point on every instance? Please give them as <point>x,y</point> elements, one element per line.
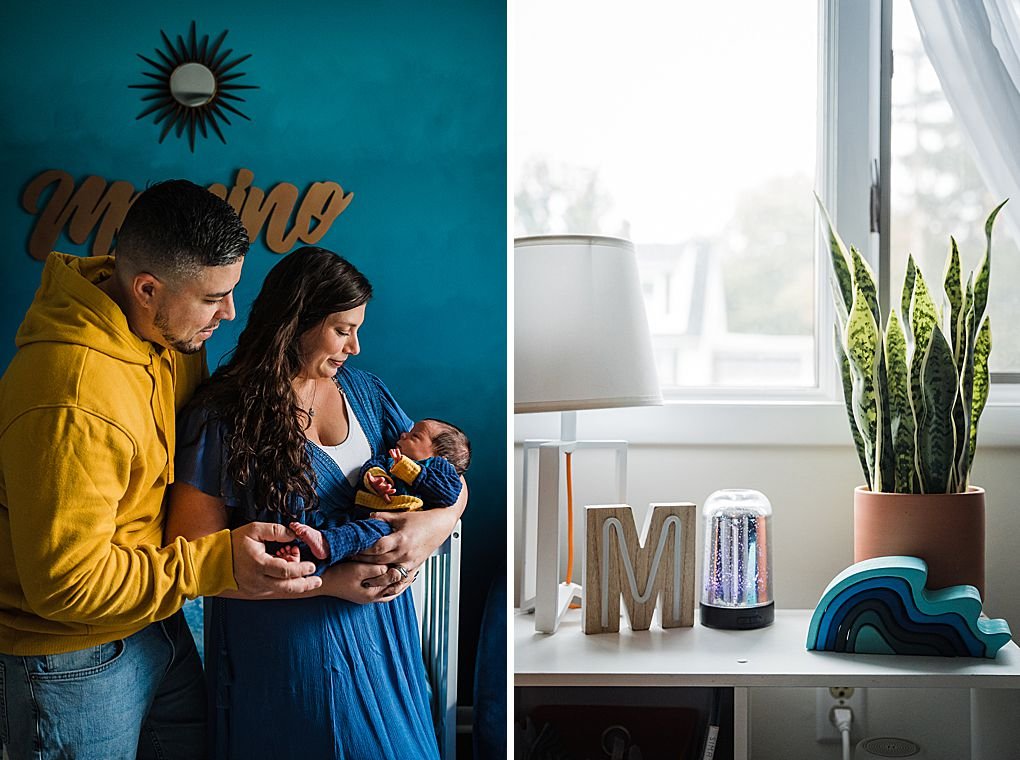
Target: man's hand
<point>258,573</point>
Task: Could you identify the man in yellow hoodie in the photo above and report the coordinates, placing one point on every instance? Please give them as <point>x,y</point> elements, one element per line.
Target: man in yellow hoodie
<point>96,660</point>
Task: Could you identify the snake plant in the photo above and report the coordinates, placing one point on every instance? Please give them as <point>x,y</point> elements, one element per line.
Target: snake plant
<point>915,390</point>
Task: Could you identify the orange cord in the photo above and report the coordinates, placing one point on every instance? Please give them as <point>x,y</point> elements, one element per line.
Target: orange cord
<point>570,526</point>
<point>570,522</point>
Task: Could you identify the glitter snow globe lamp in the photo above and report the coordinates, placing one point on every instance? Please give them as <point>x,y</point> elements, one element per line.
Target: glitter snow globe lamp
<point>737,586</point>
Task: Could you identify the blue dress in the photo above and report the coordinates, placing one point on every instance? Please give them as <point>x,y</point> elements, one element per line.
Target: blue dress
<point>318,677</point>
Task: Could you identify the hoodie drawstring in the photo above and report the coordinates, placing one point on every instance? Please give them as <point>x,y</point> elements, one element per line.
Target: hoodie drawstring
<point>164,422</point>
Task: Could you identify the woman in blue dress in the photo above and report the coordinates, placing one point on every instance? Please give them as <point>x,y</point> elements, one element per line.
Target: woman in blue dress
<point>280,433</point>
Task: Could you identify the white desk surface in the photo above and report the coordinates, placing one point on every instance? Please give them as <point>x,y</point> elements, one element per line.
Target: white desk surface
<point>699,656</point>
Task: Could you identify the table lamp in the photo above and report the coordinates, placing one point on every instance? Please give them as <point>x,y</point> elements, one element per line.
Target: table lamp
<point>581,341</point>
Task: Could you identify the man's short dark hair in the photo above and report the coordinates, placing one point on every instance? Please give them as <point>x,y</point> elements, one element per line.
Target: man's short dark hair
<point>451,444</point>
<point>176,227</point>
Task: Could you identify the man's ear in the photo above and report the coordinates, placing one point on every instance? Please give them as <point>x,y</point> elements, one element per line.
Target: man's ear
<point>145,289</point>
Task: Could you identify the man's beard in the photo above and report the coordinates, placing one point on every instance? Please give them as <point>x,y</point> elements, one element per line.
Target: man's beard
<point>178,344</point>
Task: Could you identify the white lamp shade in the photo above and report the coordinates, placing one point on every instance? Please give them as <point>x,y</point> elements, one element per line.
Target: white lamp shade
<point>581,337</point>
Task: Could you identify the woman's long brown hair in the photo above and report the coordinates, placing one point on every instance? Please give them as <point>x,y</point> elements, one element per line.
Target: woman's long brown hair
<point>252,394</point>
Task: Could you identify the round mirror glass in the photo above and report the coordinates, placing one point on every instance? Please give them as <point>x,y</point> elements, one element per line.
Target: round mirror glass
<point>192,84</point>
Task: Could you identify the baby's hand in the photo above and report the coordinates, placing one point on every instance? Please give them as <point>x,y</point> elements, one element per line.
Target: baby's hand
<point>291,553</point>
<point>382,486</point>
<point>395,454</point>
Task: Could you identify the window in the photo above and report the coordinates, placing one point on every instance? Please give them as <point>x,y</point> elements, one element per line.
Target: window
<point>648,120</point>
<point>691,129</point>
<point>936,191</point>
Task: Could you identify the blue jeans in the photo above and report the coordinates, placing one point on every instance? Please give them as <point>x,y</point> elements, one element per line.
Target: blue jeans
<point>143,696</point>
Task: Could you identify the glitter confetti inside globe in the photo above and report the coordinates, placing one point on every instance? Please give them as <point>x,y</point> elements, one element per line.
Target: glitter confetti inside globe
<point>736,591</point>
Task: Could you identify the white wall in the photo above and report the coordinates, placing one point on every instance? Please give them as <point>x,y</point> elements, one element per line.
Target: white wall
<point>811,489</point>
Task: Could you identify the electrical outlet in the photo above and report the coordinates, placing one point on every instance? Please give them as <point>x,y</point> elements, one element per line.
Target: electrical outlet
<point>840,696</point>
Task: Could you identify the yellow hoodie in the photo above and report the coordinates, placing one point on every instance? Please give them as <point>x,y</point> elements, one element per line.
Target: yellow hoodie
<point>87,414</point>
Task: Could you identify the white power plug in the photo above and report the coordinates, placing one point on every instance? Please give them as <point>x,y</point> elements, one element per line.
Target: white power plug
<point>826,700</point>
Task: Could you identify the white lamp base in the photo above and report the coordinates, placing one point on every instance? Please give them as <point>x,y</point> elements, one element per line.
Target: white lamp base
<point>566,594</point>
<point>541,587</point>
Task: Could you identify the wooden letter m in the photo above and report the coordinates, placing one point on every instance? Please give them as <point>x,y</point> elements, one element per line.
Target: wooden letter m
<point>617,564</point>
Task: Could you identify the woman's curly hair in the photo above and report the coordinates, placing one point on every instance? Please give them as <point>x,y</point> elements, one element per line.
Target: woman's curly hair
<point>264,426</point>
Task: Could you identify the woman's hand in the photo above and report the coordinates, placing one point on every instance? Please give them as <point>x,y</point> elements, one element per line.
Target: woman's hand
<point>363,582</point>
<point>415,536</point>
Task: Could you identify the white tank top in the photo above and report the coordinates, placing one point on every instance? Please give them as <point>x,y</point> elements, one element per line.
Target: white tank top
<point>351,453</point>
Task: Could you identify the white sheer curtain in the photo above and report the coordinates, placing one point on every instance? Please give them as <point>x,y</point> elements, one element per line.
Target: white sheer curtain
<point>974,47</point>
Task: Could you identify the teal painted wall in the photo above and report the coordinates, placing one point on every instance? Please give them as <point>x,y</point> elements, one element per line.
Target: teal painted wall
<point>401,103</point>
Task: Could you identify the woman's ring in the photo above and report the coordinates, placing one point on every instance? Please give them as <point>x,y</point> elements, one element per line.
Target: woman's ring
<point>402,570</point>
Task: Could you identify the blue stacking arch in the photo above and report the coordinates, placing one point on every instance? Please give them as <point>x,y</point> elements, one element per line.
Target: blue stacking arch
<point>881,606</point>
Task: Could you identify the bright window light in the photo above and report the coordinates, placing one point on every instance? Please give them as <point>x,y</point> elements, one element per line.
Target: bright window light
<point>691,129</point>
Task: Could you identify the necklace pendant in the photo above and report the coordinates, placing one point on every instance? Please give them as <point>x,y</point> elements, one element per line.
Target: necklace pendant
<point>311,412</point>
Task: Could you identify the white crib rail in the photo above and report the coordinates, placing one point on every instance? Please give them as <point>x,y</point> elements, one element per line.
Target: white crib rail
<point>437,604</point>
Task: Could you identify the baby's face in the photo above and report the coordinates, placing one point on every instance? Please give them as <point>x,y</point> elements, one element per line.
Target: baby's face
<point>417,442</point>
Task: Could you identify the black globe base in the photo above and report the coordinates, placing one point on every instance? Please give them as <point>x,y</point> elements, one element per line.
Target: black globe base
<point>738,618</point>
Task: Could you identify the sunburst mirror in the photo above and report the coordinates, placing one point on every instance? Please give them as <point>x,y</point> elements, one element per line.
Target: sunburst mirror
<point>195,86</point>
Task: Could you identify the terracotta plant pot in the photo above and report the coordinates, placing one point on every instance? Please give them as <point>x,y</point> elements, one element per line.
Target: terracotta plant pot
<point>945,530</point>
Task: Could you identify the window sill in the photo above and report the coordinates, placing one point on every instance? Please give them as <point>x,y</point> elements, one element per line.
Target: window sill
<point>729,423</point>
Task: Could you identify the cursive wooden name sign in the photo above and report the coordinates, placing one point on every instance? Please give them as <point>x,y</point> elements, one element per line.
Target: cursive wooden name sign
<point>100,206</point>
